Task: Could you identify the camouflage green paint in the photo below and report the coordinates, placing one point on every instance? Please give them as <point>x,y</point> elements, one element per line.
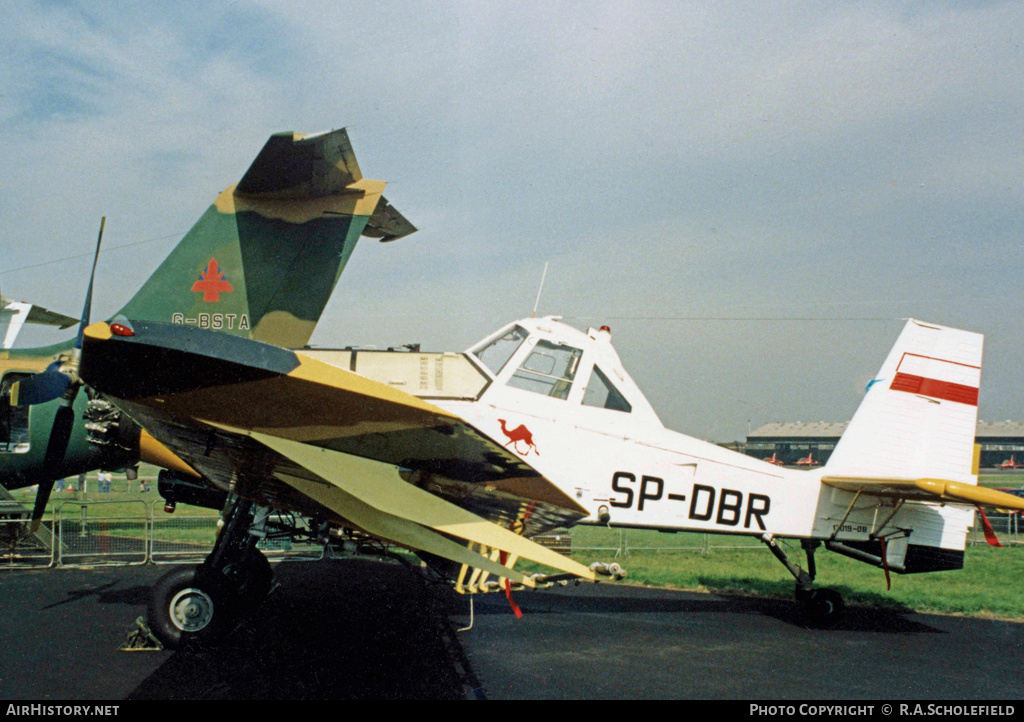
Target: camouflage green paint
<point>266,265</point>
<point>261,263</point>
<point>264,259</point>
<point>26,468</point>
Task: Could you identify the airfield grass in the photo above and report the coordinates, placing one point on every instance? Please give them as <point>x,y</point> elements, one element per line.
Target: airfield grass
<point>125,502</point>
<point>987,586</point>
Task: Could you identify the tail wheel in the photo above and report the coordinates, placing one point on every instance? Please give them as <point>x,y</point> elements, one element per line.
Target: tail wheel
<point>824,608</point>
<point>190,607</point>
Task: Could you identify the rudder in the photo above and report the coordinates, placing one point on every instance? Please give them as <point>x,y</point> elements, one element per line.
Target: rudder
<point>919,416</point>
<point>264,259</point>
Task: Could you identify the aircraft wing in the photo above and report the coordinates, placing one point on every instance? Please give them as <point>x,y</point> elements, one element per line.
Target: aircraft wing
<point>933,490</point>
<point>45,317</point>
<point>295,433</point>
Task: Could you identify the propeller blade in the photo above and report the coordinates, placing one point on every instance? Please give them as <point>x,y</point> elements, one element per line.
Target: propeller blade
<point>87,309</point>
<point>60,433</point>
<point>60,437</point>
<point>52,383</point>
<point>42,498</point>
<point>39,388</point>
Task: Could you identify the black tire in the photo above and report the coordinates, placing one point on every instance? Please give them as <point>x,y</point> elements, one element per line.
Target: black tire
<point>190,608</point>
<point>824,608</point>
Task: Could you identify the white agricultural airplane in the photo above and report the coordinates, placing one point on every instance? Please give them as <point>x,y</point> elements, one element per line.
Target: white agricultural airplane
<point>463,458</point>
<point>899,491</point>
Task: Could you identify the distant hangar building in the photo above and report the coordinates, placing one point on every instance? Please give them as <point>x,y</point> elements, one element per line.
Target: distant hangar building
<point>799,443</point>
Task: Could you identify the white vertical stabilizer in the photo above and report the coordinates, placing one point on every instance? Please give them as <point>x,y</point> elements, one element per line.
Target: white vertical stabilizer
<point>919,417</point>
<point>12,317</point>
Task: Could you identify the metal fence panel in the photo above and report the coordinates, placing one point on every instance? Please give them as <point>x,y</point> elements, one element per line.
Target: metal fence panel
<point>102,532</point>
<point>17,550</point>
<point>1008,528</point>
<point>182,538</point>
<point>133,532</point>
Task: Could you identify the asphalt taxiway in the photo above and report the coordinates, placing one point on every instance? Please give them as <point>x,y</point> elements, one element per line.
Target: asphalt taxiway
<point>352,628</point>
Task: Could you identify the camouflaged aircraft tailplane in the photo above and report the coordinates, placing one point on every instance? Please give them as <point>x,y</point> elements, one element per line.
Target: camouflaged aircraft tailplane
<point>265,257</point>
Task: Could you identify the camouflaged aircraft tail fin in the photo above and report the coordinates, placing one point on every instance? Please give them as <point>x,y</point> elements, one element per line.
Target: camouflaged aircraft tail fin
<point>264,259</point>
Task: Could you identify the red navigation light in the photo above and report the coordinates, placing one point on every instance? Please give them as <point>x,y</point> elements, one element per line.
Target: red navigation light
<point>607,330</point>
<point>120,329</point>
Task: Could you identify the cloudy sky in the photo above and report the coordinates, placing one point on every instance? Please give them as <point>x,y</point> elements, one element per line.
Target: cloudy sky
<point>752,195</point>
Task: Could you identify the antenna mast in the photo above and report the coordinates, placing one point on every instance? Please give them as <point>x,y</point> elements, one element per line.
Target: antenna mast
<point>537,302</point>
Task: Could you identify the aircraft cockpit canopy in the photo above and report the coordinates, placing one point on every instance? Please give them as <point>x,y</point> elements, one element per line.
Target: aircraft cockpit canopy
<point>552,359</point>
<point>496,352</point>
<point>601,393</point>
<point>549,369</point>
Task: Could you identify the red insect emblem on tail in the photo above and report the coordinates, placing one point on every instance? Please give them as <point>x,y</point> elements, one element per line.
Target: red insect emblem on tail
<point>520,433</point>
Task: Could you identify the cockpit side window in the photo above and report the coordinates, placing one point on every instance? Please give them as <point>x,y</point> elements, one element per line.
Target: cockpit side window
<point>495,354</point>
<point>14,434</point>
<point>549,369</point>
<point>601,393</point>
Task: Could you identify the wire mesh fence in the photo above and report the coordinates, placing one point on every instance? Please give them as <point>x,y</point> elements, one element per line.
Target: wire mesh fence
<point>136,531</point>
<point>1008,528</point>
<point>621,542</point>
<point>102,532</point>
<point>126,531</point>
<point>181,538</point>
<point>21,549</point>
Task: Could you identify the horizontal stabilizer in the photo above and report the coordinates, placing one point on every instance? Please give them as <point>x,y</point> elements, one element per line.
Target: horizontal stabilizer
<point>15,314</point>
<point>387,224</point>
<point>45,317</point>
<point>934,490</point>
<point>292,166</point>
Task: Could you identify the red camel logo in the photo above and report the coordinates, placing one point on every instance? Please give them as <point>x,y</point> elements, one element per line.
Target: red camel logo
<point>520,433</point>
<point>211,282</point>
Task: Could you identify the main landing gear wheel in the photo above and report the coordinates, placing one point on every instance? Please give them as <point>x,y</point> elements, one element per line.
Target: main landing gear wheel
<point>190,607</point>
<point>824,607</point>
<point>196,606</point>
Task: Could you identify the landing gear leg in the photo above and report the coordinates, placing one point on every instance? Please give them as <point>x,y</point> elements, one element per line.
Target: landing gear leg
<point>196,606</point>
<point>823,607</point>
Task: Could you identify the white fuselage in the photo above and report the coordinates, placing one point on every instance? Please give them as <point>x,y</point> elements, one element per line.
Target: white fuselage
<point>561,399</point>
<point>608,450</point>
